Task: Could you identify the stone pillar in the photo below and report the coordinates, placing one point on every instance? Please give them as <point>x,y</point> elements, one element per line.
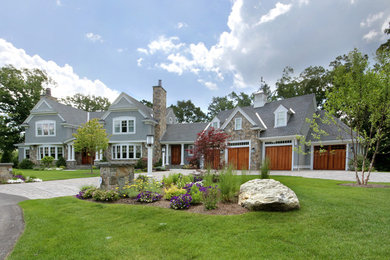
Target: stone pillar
<point>5,171</point>
<point>160,114</point>
<point>115,174</point>
<point>182,155</point>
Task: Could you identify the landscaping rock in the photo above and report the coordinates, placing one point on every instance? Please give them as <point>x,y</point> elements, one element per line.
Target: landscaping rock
<point>267,194</point>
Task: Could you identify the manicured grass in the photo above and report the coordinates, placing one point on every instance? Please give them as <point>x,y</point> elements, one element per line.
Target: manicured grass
<point>334,222</point>
<point>59,175</point>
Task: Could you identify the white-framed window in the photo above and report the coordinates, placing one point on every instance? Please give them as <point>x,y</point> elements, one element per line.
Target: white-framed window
<point>126,151</point>
<point>27,153</point>
<point>49,150</point>
<point>281,119</point>
<point>215,124</point>
<point>124,125</point>
<point>45,128</point>
<point>238,123</point>
<point>170,120</point>
<point>191,150</point>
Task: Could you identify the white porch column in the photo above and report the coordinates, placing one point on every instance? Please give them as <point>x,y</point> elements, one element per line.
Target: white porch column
<point>97,156</point>
<point>72,147</point>
<point>163,158</point>
<point>167,154</point>
<point>69,153</point>
<point>346,157</point>
<point>182,155</point>
<point>311,157</point>
<point>292,155</point>
<point>150,159</point>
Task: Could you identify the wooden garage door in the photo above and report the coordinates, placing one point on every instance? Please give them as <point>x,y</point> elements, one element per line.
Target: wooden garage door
<point>239,158</point>
<point>329,157</point>
<point>213,159</point>
<point>280,157</point>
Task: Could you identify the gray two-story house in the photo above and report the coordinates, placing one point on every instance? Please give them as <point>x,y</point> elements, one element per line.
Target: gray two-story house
<point>263,130</point>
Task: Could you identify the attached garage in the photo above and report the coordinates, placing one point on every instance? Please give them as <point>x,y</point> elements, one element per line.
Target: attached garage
<point>279,156</point>
<point>239,158</point>
<point>329,157</point>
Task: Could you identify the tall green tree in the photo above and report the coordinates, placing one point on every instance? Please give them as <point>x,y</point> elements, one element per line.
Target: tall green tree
<point>187,112</point>
<point>313,79</point>
<point>88,103</point>
<point>147,103</point>
<point>20,90</point>
<point>242,99</point>
<point>91,137</point>
<point>361,96</point>
<point>385,46</point>
<point>219,104</point>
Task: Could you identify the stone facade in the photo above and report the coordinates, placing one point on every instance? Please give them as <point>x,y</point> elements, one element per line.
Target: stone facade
<point>246,133</point>
<point>115,174</point>
<point>159,113</point>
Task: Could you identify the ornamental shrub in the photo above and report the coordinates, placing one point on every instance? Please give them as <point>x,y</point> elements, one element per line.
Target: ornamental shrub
<point>264,169</point>
<point>196,195</point>
<point>182,201</point>
<point>228,185</point>
<point>47,161</point>
<point>148,197</point>
<point>173,191</point>
<point>209,197</point>
<point>105,195</point>
<point>61,162</point>
<point>177,179</point>
<point>141,163</point>
<point>26,164</point>
<point>88,193</point>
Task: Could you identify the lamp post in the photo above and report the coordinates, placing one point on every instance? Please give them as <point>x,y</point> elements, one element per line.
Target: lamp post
<point>163,156</point>
<point>149,143</point>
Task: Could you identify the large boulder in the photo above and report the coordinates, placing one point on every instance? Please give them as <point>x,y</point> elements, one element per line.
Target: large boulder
<point>267,194</point>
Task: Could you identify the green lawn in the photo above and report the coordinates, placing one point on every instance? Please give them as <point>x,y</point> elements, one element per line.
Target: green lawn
<point>59,175</point>
<point>334,222</point>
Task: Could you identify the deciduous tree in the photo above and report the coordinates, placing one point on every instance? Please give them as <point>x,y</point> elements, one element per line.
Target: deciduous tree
<point>88,103</point>
<point>91,137</point>
<point>187,112</point>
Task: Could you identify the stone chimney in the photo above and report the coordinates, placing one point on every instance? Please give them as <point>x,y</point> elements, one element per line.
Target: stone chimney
<point>159,114</point>
<point>260,99</point>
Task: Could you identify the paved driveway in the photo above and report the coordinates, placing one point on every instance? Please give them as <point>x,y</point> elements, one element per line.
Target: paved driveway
<point>11,222</point>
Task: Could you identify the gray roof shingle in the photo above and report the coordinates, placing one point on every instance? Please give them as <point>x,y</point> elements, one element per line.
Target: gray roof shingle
<point>182,132</point>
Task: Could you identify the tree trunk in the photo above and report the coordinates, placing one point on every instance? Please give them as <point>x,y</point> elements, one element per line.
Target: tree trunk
<point>91,163</point>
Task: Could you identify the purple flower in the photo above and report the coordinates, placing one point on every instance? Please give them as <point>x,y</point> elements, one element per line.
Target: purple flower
<point>19,176</point>
<point>181,202</point>
<point>80,195</point>
<point>148,196</point>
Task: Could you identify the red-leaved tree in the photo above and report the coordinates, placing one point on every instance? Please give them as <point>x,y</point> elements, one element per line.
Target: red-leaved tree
<point>208,146</point>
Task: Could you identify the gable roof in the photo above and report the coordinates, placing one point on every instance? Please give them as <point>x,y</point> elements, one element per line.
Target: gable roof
<point>264,116</point>
<point>182,132</point>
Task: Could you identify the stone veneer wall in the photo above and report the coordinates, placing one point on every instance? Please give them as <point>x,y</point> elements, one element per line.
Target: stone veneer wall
<point>159,113</point>
<point>245,134</point>
<point>5,171</point>
<point>115,174</point>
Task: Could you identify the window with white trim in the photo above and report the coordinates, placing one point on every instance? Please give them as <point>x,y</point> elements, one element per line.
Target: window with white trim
<point>45,128</point>
<point>215,124</point>
<point>238,123</point>
<point>281,119</point>
<point>26,153</point>
<point>49,150</point>
<point>126,151</point>
<point>124,125</point>
<point>170,120</point>
<point>191,150</point>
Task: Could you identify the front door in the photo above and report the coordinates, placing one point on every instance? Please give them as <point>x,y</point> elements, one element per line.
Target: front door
<point>85,158</point>
<point>175,154</point>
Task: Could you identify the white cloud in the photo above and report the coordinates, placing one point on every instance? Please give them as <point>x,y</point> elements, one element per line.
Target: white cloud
<point>58,2</point>
<point>139,62</point>
<point>181,25</point>
<point>164,44</point>
<point>371,19</point>
<point>385,24</point>
<point>68,82</point>
<point>371,35</point>
<point>275,12</point>
<point>208,84</point>
<point>120,50</point>
<point>143,50</point>
<point>94,37</point>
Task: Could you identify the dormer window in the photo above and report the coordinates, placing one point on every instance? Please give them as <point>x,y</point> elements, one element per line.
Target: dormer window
<point>170,120</point>
<point>281,116</point>
<point>238,123</point>
<point>45,128</point>
<point>215,125</point>
<point>124,125</point>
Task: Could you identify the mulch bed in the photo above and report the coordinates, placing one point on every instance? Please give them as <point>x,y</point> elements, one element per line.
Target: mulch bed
<point>223,208</point>
<point>365,186</point>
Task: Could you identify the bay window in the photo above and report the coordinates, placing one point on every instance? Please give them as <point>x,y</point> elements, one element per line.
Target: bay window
<point>126,151</point>
<point>49,150</point>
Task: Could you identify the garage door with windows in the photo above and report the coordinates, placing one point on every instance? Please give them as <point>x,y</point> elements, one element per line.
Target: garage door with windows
<point>279,156</point>
<point>238,155</point>
<point>329,157</point>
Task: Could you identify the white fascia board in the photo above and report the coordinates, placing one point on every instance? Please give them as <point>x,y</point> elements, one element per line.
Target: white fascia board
<point>127,142</point>
<point>280,109</point>
<point>70,125</point>
<point>177,142</point>
<point>291,111</point>
<point>43,143</point>
<point>346,141</point>
<point>261,121</point>
<point>235,111</point>
<point>149,122</point>
<point>279,138</point>
<point>69,140</point>
<point>42,114</point>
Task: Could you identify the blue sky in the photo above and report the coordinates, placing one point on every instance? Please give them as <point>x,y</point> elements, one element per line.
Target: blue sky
<point>199,49</point>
